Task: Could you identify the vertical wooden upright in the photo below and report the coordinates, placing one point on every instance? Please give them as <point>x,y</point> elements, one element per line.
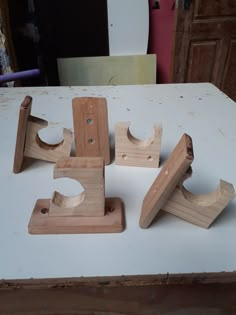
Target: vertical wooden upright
<point>91,127</point>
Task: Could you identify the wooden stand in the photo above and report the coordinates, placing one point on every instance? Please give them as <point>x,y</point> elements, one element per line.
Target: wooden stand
<point>167,192</point>
<point>90,173</point>
<point>91,127</point>
<point>201,210</point>
<point>88,212</point>
<point>28,142</point>
<point>134,152</point>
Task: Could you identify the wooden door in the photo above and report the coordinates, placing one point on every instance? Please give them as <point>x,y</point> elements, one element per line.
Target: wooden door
<point>205,43</point>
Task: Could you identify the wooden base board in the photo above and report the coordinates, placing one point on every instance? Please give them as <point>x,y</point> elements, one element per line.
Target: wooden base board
<point>42,223</point>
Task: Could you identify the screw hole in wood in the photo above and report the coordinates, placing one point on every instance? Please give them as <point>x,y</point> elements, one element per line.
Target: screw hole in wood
<point>89,121</point>
<point>91,141</point>
<point>44,210</point>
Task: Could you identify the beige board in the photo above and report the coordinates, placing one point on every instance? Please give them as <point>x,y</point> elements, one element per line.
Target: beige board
<point>109,70</point>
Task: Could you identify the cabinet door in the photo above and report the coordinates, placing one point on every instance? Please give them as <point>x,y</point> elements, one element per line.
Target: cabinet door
<point>205,43</point>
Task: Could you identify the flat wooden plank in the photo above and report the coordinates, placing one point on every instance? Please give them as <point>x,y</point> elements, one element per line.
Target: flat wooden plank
<point>177,294</point>
<point>91,127</point>
<point>169,177</point>
<point>42,223</point>
<point>109,70</point>
<point>25,110</point>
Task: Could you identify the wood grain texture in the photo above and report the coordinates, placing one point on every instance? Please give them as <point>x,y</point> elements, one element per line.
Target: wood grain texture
<point>134,152</point>
<point>180,294</point>
<point>217,8</point>
<point>203,43</point>
<point>38,149</point>
<point>90,173</point>
<point>228,82</point>
<point>25,110</point>
<point>28,142</point>
<point>201,210</point>
<point>91,127</point>
<point>42,223</point>
<point>202,53</point>
<point>169,177</point>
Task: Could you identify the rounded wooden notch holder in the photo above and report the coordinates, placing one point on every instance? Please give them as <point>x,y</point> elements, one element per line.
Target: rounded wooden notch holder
<point>88,212</point>
<point>131,151</point>
<point>28,142</point>
<point>202,209</point>
<point>90,173</point>
<point>167,192</point>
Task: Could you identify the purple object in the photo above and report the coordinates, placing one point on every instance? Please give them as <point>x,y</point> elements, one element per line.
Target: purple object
<point>19,75</point>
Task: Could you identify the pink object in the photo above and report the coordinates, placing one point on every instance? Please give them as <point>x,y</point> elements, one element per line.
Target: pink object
<point>161,37</point>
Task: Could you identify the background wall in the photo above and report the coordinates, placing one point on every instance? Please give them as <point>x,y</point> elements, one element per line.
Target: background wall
<point>161,36</point>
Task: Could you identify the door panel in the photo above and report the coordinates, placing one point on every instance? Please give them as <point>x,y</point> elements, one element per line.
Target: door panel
<point>201,53</point>
<point>204,48</point>
<point>220,8</point>
<point>228,84</point>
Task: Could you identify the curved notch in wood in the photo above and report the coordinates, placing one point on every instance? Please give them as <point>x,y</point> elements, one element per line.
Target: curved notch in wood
<point>171,174</point>
<point>90,173</point>
<point>201,210</point>
<point>28,142</point>
<point>63,201</point>
<point>89,212</point>
<point>168,193</point>
<point>38,149</point>
<point>135,152</point>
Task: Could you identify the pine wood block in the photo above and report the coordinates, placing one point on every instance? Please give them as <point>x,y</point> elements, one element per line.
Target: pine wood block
<point>201,210</point>
<point>169,177</point>
<point>131,151</point>
<point>90,173</point>
<point>28,142</point>
<point>111,222</point>
<point>91,127</point>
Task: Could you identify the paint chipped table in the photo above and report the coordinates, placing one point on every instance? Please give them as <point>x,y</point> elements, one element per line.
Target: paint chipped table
<point>136,266</point>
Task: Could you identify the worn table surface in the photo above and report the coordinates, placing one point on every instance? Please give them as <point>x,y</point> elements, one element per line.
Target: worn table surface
<point>170,244</point>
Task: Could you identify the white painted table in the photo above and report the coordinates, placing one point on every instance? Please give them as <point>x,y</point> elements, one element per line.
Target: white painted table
<point>170,245</point>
